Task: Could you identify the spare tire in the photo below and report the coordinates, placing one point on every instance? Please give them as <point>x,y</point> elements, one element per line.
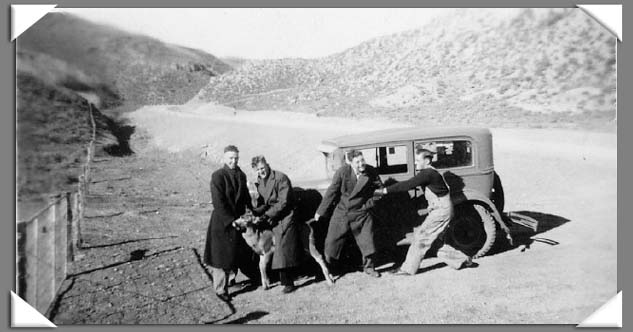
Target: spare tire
<point>472,230</point>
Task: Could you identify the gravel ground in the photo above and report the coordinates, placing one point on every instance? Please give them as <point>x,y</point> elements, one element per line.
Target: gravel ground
<point>147,216</point>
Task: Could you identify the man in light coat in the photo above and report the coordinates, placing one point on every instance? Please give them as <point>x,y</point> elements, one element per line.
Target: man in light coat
<point>276,205</point>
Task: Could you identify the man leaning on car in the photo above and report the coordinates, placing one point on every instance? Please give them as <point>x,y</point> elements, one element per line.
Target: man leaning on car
<point>351,195</point>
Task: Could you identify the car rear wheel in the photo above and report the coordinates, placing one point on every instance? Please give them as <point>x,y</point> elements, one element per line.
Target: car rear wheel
<point>472,230</point>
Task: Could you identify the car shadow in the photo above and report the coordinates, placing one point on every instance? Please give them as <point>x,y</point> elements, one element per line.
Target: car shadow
<point>395,215</point>
<point>523,236</point>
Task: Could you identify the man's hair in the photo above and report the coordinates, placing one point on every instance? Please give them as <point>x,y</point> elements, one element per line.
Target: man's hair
<point>258,159</point>
<point>424,152</point>
<point>353,154</point>
<point>231,148</point>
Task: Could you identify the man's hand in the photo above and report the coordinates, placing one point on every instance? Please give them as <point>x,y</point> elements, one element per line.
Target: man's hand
<point>423,212</point>
<point>380,191</point>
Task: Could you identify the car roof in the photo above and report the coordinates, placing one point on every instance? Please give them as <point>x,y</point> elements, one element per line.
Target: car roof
<point>404,134</point>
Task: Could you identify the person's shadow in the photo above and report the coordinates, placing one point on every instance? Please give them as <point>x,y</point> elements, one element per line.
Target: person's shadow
<point>254,315</point>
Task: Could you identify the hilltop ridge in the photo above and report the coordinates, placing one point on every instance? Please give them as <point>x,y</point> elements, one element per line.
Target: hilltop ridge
<point>525,67</point>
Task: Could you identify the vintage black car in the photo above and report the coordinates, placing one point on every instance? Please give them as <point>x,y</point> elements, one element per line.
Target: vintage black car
<point>464,156</point>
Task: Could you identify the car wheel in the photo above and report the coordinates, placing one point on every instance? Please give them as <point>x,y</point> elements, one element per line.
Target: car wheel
<point>472,230</point>
<point>497,196</point>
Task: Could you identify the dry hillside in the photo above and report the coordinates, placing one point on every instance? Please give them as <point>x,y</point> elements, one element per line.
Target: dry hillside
<point>65,63</point>
<point>53,132</point>
<point>526,67</point>
<point>51,142</point>
<point>140,69</point>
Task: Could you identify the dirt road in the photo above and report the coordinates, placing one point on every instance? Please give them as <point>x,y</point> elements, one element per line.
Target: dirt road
<point>566,179</point>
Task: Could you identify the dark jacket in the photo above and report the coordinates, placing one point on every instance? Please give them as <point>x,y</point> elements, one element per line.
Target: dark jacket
<point>345,195</point>
<point>426,178</point>
<point>276,200</point>
<point>224,244</point>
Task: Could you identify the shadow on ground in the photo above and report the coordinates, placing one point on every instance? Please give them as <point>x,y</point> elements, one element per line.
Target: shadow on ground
<point>248,317</point>
<point>396,215</point>
<point>523,236</point>
<point>121,132</point>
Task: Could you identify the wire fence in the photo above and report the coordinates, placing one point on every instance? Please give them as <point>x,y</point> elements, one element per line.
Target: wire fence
<point>50,239</point>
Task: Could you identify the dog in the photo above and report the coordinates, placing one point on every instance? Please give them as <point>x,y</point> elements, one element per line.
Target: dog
<point>262,241</point>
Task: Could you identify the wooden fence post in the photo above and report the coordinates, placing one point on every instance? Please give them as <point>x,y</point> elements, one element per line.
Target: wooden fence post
<point>71,220</point>
<point>81,199</point>
<point>27,260</point>
<point>46,259</point>
<point>61,217</point>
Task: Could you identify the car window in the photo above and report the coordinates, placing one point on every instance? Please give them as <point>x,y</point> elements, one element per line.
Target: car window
<point>371,157</point>
<point>390,159</point>
<point>456,153</point>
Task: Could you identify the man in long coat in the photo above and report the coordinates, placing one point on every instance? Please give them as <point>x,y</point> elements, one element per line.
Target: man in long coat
<point>275,205</point>
<point>225,249</point>
<point>351,194</point>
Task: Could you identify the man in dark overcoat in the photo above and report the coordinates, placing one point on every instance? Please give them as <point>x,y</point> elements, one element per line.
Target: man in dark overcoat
<point>225,249</point>
<point>351,195</point>
<point>275,205</point>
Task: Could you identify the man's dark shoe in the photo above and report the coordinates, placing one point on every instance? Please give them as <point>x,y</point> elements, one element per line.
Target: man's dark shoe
<point>224,297</point>
<point>289,289</point>
<point>372,272</point>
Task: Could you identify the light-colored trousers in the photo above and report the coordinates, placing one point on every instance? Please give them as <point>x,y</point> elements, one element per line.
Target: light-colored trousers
<point>220,280</point>
<point>423,236</point>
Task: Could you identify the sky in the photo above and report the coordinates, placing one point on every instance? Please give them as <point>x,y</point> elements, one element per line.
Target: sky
<point>263,33</point>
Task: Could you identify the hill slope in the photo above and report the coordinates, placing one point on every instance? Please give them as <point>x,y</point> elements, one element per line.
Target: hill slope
<point>140,69</point>
<point>515,67</point>
<point>65,63</point>
<point>50,144</point>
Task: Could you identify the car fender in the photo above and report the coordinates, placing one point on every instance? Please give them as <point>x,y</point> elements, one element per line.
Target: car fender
<point>469,195</point>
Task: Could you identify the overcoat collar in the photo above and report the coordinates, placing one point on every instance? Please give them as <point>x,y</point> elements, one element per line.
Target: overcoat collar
<point>229,170</point>
<point>234,174</point>
<point>266,186</point>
